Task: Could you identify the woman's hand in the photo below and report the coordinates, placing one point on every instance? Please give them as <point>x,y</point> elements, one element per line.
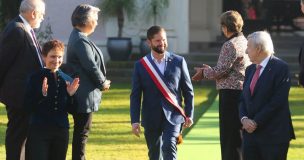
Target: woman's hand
<point>72,88</point>
<point>198,75</point>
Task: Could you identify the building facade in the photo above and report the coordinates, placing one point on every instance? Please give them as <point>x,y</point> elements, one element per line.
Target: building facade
<point>195,21</point>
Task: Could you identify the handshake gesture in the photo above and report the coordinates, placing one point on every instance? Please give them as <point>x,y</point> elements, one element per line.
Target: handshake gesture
<point>71,88</point>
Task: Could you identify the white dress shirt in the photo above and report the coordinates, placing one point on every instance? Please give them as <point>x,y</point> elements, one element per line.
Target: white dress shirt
<point>263,64</point>
<point>28,29</point>
<point>161,65</point>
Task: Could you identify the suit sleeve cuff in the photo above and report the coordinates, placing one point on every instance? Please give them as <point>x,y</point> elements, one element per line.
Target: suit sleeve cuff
<point>245,117</point>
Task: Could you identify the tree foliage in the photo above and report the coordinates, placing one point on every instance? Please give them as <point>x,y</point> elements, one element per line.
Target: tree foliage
<point>8,10</point>
<point>118,9</point>
<point>155,8</point>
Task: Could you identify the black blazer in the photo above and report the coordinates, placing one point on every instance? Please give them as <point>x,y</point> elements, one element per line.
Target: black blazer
<point>52,109</point>
<point>268,106</point>
<point>18,59</point>
<point>85,60</point>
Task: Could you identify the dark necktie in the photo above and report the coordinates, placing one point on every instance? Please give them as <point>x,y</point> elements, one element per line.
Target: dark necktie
<point>38,47</point>
<point>255,78</point>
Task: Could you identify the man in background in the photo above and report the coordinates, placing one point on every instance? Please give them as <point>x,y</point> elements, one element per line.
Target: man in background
<point>19,57</point>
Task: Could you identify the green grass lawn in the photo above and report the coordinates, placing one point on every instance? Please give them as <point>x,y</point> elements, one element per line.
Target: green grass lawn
<point>204,138</point>
<point>111,137</point>
<point>296,102</point>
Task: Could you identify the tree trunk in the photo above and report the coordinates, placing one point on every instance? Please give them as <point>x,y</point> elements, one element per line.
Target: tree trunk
<point>154,14</point>
<point>120,21</point>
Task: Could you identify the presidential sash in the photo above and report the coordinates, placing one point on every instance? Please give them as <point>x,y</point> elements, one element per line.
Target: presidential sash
<point>169,96</point>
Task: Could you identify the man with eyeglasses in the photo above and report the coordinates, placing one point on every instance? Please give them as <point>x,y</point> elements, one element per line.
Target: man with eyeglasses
<point>19,57</point>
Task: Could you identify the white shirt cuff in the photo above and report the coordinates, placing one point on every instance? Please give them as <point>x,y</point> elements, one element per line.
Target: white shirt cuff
<point>245,117</point>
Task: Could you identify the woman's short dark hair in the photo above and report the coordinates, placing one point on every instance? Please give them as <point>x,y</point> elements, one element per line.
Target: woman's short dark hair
<point>233,21</point>
<point>153,31</point>
<point>82,14</point>
<point>52,45</point>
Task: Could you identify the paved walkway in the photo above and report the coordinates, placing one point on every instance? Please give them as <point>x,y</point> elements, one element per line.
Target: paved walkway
<point>202,142</point>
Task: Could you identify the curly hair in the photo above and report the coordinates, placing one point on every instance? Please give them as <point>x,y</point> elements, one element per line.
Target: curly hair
<point>51,45</point>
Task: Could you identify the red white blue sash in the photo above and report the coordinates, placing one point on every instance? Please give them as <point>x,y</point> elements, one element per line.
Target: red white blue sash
<point>170,97</point>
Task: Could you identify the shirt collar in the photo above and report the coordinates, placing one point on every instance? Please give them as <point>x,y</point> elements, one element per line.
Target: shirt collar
<point>26,24</point>
<point>265,61</point>
<point>155,60</point>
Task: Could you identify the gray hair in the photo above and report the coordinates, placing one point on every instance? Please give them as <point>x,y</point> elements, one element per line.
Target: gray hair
<point>31,5</point>
<point>302,1</point>
<point>263,40</point>
<point>82,14</point>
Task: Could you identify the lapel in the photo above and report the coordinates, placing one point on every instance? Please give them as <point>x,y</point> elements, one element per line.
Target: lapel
<point>262,79</point>
<point>29,40</point>
<point>155,67</point>
<point>248,82</point>
<point>97,50</point>
<point>158,71</point>
<point>99,53</point>
<point>168,63</point>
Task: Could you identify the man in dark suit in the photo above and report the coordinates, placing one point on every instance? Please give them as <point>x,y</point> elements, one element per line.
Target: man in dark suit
<point>19,56</point>
<point>161,118</point>
<point>264,109</point>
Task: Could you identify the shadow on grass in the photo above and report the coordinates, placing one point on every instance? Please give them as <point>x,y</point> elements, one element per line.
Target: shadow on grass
<point>111,111</point>
<point>115,140</point>
<point>294,146</point>
<point>208,125</point>
<point>297,109</point>
<point>110,122</point>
